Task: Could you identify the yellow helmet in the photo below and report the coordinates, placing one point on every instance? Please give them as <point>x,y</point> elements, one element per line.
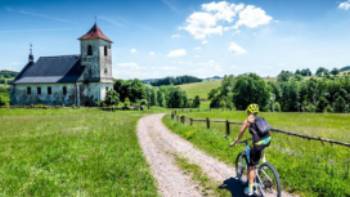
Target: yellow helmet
<point>253,108</point>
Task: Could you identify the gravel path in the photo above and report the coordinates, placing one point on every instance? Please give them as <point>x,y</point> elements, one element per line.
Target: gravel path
<point>160,145</point>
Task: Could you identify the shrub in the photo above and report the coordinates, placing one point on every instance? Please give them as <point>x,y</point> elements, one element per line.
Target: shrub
<point>112,98</point>
<point>196,102</point>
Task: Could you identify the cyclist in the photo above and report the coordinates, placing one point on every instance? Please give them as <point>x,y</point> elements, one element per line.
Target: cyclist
<point>260,142</point>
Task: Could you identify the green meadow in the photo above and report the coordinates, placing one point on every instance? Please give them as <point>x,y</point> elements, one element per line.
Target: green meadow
<point>306,167</point>
<point>201,88</point>
<point>71,152</point>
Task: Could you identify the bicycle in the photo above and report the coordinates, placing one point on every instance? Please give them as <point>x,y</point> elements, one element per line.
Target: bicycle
<point>267,180</point>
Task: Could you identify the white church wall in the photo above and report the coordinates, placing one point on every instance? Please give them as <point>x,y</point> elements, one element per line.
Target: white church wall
<point>20,96</point>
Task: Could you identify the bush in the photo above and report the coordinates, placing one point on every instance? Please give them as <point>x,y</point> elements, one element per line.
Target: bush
<point>196,102</point>
<point>276,107</point>
<point>2,102</point>
<point>339,105</point>
<point>112,98</point>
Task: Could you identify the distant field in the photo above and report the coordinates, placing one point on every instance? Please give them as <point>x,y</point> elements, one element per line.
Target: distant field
<point>306,167</point>
<point>201,89</point>
<point>71,152</point>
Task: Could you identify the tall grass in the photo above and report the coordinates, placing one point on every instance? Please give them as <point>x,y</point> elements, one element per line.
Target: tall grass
<point>71,152</point>
<point>306,167</point>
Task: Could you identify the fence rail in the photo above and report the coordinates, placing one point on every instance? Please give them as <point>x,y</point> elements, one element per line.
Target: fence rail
<point>228,123</point>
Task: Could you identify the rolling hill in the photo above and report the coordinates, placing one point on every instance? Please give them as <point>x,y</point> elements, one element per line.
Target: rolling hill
<point>201,88</point>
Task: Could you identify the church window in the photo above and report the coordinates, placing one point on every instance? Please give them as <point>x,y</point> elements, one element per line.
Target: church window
<point>105,50</point>
<point>38,90</point>
<point>106,71</point>
<point>89,50</point>
<point>49,90</point>
<point>64,90</point>
<point>29,90</point>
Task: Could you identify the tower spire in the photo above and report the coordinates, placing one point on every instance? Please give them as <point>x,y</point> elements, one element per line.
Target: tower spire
<point>31,56</point>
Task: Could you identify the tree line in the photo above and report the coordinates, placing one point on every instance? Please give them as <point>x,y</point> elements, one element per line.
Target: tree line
<point>135,93</point>
<point>300,91</point>
<point>173,80</point>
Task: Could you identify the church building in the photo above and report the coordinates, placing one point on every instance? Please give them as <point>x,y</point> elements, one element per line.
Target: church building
<point>68,79</point>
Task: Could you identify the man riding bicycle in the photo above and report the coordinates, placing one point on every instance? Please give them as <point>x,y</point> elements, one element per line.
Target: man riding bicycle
<point>261,140</point>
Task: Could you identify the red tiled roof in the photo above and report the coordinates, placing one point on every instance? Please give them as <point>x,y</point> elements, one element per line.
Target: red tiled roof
<point>95,33</point>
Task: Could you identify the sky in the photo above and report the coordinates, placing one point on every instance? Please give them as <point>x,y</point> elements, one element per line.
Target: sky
<point>158,38</point>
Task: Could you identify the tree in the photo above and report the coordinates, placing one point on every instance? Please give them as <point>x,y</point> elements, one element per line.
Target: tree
<point>284,76</point>
<point>133,89</point>
<point>250,88</point>
<point>177,98</point>
<point>339,105</point>
<point>334,71</point>
<point>321,71</point>
<point>196,102</point>
<point>290,96</point>
<point>306,72</point>
<point>112,98</point>
<point>160,98</point>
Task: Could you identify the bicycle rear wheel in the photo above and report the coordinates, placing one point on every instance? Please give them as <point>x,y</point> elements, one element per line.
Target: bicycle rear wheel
<point>241,167</point>
<point>268,180</point>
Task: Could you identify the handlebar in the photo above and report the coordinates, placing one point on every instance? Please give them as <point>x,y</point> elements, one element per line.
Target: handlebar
<point>246,141</point>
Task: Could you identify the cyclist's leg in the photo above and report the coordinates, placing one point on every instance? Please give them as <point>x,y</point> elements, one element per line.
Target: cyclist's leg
<point>255,154</point>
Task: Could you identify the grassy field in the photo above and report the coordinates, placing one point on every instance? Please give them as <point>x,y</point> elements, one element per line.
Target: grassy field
<point>71,152</point>
<point>306,167</point>
<point>201,89</point>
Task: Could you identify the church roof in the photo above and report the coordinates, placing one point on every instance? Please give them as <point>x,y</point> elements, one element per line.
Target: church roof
<point>95,33</point>
<point>54,69</point>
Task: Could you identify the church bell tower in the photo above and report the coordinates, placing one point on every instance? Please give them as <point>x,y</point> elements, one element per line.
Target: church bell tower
<point>96,56</point>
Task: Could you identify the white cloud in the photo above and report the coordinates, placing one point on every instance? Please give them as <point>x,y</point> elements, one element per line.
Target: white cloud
<point>215,18</point>
<point>236,49</point>
<point>176,53</point>
<point>133,51</point>
<point>151,53</point>
<point>344,5</point>
<point>252,17</point>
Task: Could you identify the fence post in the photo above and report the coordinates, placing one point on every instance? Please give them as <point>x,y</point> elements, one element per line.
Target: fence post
<point>182,118</point>
<point>208,123</point>
<point>191,121</point>
<point>228,130</point>
<point>172,115</point>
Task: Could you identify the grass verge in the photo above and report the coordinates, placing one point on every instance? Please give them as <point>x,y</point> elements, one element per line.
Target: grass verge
<point>209,187</point>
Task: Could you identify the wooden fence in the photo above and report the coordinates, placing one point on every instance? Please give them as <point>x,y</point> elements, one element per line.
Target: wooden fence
<point>183,119</point>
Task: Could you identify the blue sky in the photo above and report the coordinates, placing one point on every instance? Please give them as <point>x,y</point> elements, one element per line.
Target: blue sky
<point>158,38</point>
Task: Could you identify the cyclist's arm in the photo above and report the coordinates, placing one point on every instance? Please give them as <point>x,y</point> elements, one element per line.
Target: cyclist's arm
<point>243,128</point>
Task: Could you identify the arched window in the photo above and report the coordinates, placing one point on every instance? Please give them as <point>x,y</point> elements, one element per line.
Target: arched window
<point>106,71</point>
<point>105,50</point>
<point>89,50</point>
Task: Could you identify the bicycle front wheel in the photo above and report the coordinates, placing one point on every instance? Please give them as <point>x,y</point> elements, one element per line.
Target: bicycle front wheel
<point>241,167</point>
<point>268,180</point>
